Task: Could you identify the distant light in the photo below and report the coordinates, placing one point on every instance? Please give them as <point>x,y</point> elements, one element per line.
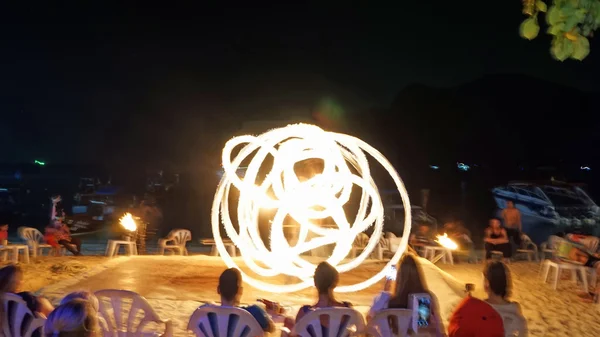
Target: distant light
<point>586,168</point>
<point>3,190</point>
<point>41,163</point>
<point>463,167</point>
<point>434,167</point>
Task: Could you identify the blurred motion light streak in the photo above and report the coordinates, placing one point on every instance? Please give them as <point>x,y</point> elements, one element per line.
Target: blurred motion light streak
<point>306,201</point>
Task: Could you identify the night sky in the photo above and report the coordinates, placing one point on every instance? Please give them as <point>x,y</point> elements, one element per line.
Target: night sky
<point>88,83</point>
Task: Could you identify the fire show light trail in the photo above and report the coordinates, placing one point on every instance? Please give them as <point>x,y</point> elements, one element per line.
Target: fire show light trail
<point>306,202</point>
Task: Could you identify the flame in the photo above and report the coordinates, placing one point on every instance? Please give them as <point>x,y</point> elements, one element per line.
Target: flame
<point>127,222</point>
<point>446,242</point>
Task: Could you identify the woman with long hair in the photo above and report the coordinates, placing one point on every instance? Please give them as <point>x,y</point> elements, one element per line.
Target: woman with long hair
<point>409,280</point>
<point>11,280</point>
<point>498,285</point>
<point>326,279</point>
<point>76,318</point>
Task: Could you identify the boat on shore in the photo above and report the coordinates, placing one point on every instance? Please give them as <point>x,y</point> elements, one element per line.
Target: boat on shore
<point>550,206</point>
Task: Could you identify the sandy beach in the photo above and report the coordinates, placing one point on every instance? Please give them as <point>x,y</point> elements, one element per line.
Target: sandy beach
<point>175,286</point>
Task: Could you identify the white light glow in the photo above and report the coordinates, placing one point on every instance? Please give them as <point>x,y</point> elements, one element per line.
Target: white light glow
<point>446,242</point>
<point>128,222</point>
<point>307,202</point>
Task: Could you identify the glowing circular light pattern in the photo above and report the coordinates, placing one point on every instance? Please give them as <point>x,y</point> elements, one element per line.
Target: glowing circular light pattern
<point>305,201</point>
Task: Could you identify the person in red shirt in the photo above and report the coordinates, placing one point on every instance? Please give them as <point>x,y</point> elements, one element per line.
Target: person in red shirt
<point>3,233</point>
<point>50,238</point>
<point>63,236</point>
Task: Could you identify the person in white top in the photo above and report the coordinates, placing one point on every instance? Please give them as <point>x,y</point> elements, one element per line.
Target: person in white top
<point>409,280</point>
<point>497,284</point>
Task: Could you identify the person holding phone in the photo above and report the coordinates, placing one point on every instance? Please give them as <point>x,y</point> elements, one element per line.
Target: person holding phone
<point>408,280</point>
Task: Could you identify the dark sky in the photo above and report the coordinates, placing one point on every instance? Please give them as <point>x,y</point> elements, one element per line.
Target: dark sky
<point>81,82</point>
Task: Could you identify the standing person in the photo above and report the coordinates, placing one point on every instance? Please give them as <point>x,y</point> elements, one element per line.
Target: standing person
<point>512,222</point>
<point>496,239</point>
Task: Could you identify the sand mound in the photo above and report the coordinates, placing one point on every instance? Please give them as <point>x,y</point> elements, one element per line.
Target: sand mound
<point>69,267</point>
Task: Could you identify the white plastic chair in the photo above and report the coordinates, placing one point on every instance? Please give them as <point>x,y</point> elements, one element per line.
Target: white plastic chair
<point>343,322</point>
<point>113,306</point>
<point>390,323</point>
<point>23,323</point>
<point>528,248</point>
<point>549,247</point>
<point>361,242</point>
<point>176,241</point>
<point>238,320</point>
<point>558,267</point>
<point>35,240</point>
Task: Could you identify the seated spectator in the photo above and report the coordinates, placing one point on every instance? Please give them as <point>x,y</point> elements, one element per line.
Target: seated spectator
<point>424,236</point>
<point>76,318</point>
<point>475,318</point>
<point>62,234</point>
<point>230,288</point>
<point>82,295</point>
<point>50,238</point>
<point>3,233</point>
<point>590,242</point>
<point>326,279</point>
<point>573,252</point>
<point>11,279</point>
<point>92,299</point>
<point>457,231</point>
<point>409,280</point>
<point>496,240</point>
<point>497,285</point>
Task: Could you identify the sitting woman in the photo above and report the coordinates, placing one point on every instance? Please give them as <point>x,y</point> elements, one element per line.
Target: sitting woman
<point>497,285</point>
<point>11,279</point>
<point>409,280</point>
<point>496,240</point>
<point>76,318</point>
<point>326,279</point>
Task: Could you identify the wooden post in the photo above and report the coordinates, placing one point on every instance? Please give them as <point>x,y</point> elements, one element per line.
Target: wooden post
<point>141,237</point>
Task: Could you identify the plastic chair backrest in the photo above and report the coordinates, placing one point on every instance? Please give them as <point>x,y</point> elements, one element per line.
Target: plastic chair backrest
<point>30,235</point>
<point>514,325</point>
<point>180,236</point>
<point>390,235</point>
<point>527,243</point>
<point>114,303</point>
<point>22,323</point>
<point>227,321</point>
<point>390,323</point>
<point>384,244</point>
<point>361,241</point>
<point>343,322</point>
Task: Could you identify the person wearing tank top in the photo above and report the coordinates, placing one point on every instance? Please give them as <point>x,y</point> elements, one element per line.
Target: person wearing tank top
<point>496,239</point>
